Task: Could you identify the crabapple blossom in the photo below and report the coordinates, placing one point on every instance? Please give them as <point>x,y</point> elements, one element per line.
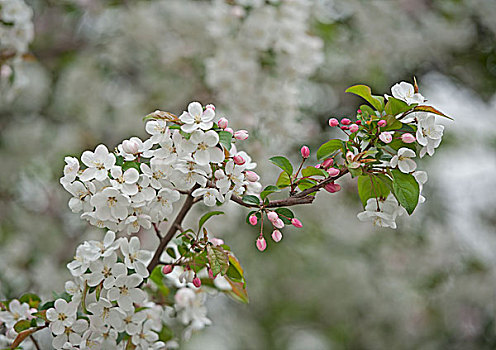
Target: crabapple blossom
<point>333,172</point>
<point>403,162</point>
<point>296,223</point>
<point>17,311</point>
<point>223,122</point>
<point>345,121</point>
<point>241,135</point>
<point>210,195</point>
<point>110,204</point>
<point>167,269</point>
<point>125,291</point>
<point>429,134</point>
<point>405,91</point>
<point>134,258</point>
<point>353,128</point>
<point>204,144</point>
<point>252,176</point>
<point>98,163</point>
<point>197,282</point>
<point>332,187</point>
<point>62,315</point>
<point>196,118</point>
<point>382,123</point>
<point>382,212</point>
<point>253,220</point>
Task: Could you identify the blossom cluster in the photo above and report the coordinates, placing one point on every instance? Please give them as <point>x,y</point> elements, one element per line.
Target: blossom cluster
<point>410,128</point>
<point>138,185</point>
<point>16,33</point>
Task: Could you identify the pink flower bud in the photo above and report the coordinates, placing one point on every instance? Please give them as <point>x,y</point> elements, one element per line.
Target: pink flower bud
<point>211,106</point>
<point>216,241</point>
<point>278,223</point>
<point>345,121</point>
<point>197,282</point>
<point>296,223</point>
<point>386,136</point>
<point>167,269</point>
<point>327,163</point>
<point>359,111</point>
<point>272,216</point>
<point>229,130</point>
<point>239,160</point>
<point>276,235</point>
<point>332,187</point>
<point>130,147</point>
<point>241,135</point>
<point>344,127</point>
<point>318,166</point>
<point>333,122</point>
<point>358,122</point>
<point>251,176</point>
<point>222,123</point>
<point>353,128</point>
<point>261,244</point>
<point>253,219</point>
<point>211,274</point>
<point>305,152</point>
<point>382,123</point>
<point>407,138</point>
<point>333,172</point>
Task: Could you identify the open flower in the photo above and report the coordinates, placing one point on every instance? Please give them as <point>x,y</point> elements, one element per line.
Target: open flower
<point>406,92</point>
<point>98,163</point>
<point>195,118</point>
<point>429,134</point>
<point>125,291</point>
<point>403,162</point>
<point>134,258</point>
<point>204,145</point>
<point>110,203</point>
<point>62,315</point>
<point>210,195</point>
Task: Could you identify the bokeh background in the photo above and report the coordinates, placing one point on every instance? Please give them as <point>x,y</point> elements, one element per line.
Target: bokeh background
<point>277,68</point>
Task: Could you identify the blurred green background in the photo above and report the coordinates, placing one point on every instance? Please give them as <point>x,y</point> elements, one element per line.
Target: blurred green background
<point>278,69</point>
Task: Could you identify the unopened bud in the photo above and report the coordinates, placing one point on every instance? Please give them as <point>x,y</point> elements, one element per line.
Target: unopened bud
<point>332,187</point>
<point>296,223</point>
<point>241,135</point>
<point>327,163</point>
<point>305,152</point>
<point>222,123</point>
<point>251,176</point>
<point>344,127</point>
<point>333,122</point>
<point>272,216</point>
<point>276,235</point>
<point>358,122</point>
<point>130,147</point>
<point>386,136</point>
<point>211,274</point>
<point>239,160</point>
<point>407,138</point>
<point>253,220</point>
<point>261,244</point>
<point>353,128</point>
<point>333,172</point>
<point>278,223</point>
<point>382,123</point>
<point>345,121</point>
<point>211,106</point>
<point>167,269</point>
<point>197,282</point>
<point>229,130</point>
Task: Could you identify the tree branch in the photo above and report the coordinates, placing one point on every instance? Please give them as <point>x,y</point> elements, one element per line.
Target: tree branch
<point>188,203</point>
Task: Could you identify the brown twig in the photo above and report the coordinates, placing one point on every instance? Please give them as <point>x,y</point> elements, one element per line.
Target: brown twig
<point>188,203</point>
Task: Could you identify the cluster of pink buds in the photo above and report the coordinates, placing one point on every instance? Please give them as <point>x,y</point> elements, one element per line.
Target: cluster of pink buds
<point>277,224</point>
<point>346,124</point>
<point>238,135</point>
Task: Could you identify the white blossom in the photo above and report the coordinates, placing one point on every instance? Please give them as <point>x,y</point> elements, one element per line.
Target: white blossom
<point>403,160</point>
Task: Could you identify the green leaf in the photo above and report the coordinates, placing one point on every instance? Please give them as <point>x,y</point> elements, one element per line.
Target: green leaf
<point>369,186</point>
<point>283,180</point>
<point>366,109</point>
<point>165,334</point>
<point>225,139</point>
<point>406,190</point>
<point>395,106</point>
<point>283,163</point>
<point>304,184</point>
<point>199,261</point>
<point>218,259</point>
<point>22,325</point>
<point>329,148</point>
<point>32,299</point>
<point>250,199</point>
<point>171,252</point>
<point>285,214</point>
<point>313,171</point>
<point>238,291</point>
<point>392,123</point>
<point>129,165</point>
<point>207,216</point>
<point>364,92</point>
<point>268,190</point>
